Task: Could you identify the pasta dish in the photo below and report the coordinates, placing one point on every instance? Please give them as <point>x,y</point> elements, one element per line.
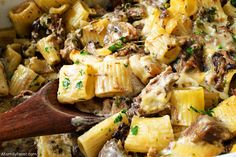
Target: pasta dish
<point>160,72</point>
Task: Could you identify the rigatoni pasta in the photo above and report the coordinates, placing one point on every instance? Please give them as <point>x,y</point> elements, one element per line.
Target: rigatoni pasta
<point>91,142</point>
<point>49,49</point>
<point>182,101</point>
<point>146,133</point>
<point>76,83</point>
<point>113,79</point>
<point>4,89</point>
<point>25,79</point>
<point>13,58</point>
<point>23,16</point>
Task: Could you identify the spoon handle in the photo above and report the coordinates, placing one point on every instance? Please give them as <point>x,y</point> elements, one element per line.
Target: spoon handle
<point>33,118</point>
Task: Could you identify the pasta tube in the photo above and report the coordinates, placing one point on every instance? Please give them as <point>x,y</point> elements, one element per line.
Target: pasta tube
<point>186,7</point>
<point>54,146</point>
<point>77,16</point>
<point>13,58</point>
<point>49,50</point>
<point>182,101</point>
<point>113,78</point>
<point>162,48</point>
<point>39,66</point>
<point>148,133</point>
<point>7,36</point>
<point>25,79</point>
<point>45,5</point>
<point>92,141</point>
<point>95,32</point>
<point>3,81</point>
<point>76,83</point>
<point>23,16</point>
<point>184,147</point>
<point>229,9</point>
<point>225,112</point>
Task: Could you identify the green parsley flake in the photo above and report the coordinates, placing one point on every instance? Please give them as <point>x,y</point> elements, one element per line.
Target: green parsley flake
<point>118,119</point>
<point>208,112</point>
<point>123,39</point>
<point>126,65</point>
<point>66,83</point>
<point>47,49</point>
<point>220,47</point>
<point>79,85</point>
<point>83,52</point>
<point>76,62</point>
<point>233,2</point>
<point>115,47</point>
<point>189,50</point>
<point>124,111</point>
<point>134,130</point>
<point>234,38</point>
<point>81,72</point>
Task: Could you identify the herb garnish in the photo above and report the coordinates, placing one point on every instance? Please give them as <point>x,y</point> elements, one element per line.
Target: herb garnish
<point>66,83</point>
<point>189,50</point>
<point>126,65</point>
<point>118,118</point>
<point>83,52</point>
<point>79,85</point>
<point>220,47</point>
<point>124,111</point>
<point>116,46</point>
<point>76,62</point>
<point>208,14</point>
<point>208,112</point>
<point>234,38</point>
<point>47,49</point>
<point>81,72</point>
<point>233,2</point>
<point>134,130</point>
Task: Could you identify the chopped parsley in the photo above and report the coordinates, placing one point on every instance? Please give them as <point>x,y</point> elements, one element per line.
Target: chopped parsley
<point>47,49</point>
<point>189,51</point>
<point>83,52</point>
<point>76,62</point>
<point>116,46</point>
<point>220,47</point>
<point>81,72</point>
<point>233,2</point>
<point>118,119</point>
<point>79,85</point>
<point>208,112</point>
<point>134,130</point>
<point>124,111</point>
<point>123,39</point>
<point>126,65</point>
<point>66,83</point>
<point>234,38</point>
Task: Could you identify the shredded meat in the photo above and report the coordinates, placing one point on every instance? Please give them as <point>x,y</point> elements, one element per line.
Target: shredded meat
<point>122,132</point>
<point>136,12</point>
<point>161,86</point>
<point>116,30</point>
<point>48,24</point>
<point>192,56</point>
<point>129,49</point>
<point>71,43</point>
<point>207,129</point>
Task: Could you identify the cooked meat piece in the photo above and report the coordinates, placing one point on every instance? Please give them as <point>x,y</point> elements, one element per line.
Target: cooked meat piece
<point>48,24</point>
<point>117,16</point>
<point>72,42</point>
<point>208,129</point>
<point>120,103</point>
<point>192,55</point>
<point>122,132</point>
<point>158,91</point>
<point>136,12</point>
<point>112,149</point>
<point>130,48</point>
<point>116,30</point>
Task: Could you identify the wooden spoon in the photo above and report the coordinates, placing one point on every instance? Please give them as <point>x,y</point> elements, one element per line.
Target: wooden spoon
<point>41,114</point>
